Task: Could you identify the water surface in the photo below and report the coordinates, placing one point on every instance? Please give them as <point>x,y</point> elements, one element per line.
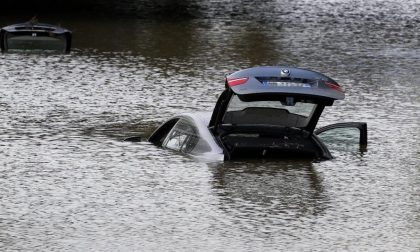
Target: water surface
<point>70,183</point>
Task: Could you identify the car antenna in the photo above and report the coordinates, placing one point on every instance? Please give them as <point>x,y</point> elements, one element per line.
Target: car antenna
<point>33,20</point>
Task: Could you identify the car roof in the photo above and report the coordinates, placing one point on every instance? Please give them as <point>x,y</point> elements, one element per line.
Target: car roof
<point>28,26</point>
<point>283,80</point>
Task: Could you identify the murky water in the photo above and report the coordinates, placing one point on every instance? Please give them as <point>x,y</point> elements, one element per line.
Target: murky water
<point>70,183</point>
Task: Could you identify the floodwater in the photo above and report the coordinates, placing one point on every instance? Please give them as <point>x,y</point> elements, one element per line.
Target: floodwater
<point>69,182</point>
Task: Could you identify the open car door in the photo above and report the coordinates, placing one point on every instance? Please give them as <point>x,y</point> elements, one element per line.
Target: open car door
<point>344,133</point>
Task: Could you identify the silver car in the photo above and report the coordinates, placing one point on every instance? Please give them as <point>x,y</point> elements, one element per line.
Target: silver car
<point>264,112</point>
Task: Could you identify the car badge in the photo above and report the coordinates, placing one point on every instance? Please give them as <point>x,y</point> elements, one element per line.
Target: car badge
<point>285,73</point>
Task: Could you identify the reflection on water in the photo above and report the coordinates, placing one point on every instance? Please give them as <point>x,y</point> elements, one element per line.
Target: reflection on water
<point>273,188</point>
<point>70,183</point>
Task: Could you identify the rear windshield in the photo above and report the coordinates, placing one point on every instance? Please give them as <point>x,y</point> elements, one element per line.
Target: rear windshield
<point>35,41</point>
<point>295,114</point>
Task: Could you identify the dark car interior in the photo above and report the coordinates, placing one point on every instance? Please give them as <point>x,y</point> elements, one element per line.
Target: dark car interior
<point>268,141</point>
<point>272,116</point>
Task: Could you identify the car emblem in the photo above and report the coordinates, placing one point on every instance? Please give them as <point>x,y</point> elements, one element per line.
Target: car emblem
<point>285,73</point>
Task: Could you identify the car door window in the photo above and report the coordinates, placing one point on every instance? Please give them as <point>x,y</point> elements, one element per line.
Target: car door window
<point>184,137</point>
<point>343,135</point>
<point>175,141</point>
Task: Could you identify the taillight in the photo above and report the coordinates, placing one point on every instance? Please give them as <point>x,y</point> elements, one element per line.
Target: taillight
<point>237,81</point>
<point>334,86</point>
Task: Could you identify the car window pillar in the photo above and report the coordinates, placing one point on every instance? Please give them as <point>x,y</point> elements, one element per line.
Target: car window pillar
<point>315,117</point>
<point>220,108</point>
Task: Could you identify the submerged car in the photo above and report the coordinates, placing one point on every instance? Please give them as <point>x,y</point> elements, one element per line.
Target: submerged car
<point>35,36</point>
<point>264,112</point>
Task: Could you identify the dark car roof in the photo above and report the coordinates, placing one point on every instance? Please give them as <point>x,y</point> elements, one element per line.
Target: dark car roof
<point>283,80</point>
<point>28,26</point>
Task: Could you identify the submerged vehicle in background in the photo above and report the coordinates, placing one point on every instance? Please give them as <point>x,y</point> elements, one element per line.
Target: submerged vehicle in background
<point>35,36</point>
<point>264,112</point>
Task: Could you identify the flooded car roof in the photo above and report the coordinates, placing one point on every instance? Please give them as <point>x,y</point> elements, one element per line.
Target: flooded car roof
<point>35,27</point>
<point>35,36</point>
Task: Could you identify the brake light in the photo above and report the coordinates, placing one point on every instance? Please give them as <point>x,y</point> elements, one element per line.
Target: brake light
<point>335,86</point>
<point>237,81</point>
